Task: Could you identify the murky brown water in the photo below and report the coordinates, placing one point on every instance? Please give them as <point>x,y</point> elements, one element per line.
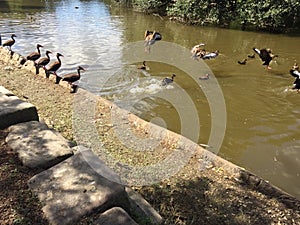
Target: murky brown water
<point>262,117</point>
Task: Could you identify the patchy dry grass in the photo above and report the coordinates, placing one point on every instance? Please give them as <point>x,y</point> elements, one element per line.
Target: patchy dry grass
<point>190,197</point>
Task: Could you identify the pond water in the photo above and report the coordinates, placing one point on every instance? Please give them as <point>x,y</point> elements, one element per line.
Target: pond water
<point>262,116</point>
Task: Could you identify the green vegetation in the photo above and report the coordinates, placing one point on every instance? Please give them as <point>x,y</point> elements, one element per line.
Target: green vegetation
<point>268,15</point>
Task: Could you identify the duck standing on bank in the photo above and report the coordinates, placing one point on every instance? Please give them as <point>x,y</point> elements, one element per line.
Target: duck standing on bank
<point>10,43</point>
<point>150,38</point>
<point>53,67</point>
<point>266,56</point>
<point>35,55</point>
<point>42,62</point>
<point>168,80</point>
<point>72,77</point>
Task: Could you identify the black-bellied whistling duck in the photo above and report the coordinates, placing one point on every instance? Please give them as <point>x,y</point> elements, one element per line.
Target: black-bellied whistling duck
<point>211,55</point>
<point>266,56</point>
<point>72,77</point>
<point>143,66</point>
<point>53,67</point>
<point>168,80</point>
<point>205,77</point>
<point>42,62</point>
<point>242,62</point>
<point>10,43</point>
<point>35,55</point>
<point>150,38</point>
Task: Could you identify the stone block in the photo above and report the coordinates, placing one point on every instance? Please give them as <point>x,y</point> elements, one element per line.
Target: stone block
<point>115,216</point>
<point>6,92</point>
<point>13,110</point>
<point>38,146</point>
<point>74,188</point>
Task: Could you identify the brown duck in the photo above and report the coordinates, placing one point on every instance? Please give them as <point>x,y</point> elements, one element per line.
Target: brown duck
<point>10,43</point>
<point>35,55</point>
<point>53,67</point>
<point>72,77</point>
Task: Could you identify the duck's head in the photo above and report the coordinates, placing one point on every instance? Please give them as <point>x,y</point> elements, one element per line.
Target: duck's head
<point>39,46</point>
<point>80,68</point>
<point>295,66</point>
<point>173,75</point>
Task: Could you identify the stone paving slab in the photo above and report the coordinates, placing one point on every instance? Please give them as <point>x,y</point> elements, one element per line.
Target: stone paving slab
<point>37,145</point>
<point>13,110</point>
<point>72,189</point>
<point>115,216</point>
<point>6,92</point>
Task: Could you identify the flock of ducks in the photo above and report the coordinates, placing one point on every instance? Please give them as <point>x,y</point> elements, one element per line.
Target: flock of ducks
<point>150,37</point>
<point>42,62</point>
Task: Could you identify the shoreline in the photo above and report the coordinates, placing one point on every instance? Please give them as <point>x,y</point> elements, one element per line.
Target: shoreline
<point>55,108</point>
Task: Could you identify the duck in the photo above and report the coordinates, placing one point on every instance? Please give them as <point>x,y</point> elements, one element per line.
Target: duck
<point>168,80</point>
<point>72,77</point>
<point>242,62</point>
<point>143,66</point>
<point>10,43</point>
<point>53,67</point>
<point>266,56</point>
<point>198,51</point>
<point>150,38</point>
<point>295,73</point>
<point>211,55</point>
<point>205,77</point>
<point>42,62</point>
<point>35,55</point>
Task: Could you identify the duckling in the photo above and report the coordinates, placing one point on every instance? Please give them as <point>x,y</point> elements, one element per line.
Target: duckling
<point>168,80</point>
<point>243,62</point>
<point>10,43</point>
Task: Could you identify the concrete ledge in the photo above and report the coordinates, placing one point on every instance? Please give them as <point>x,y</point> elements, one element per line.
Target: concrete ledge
<point>13,110</point>
<point>141,209</point>
<point>38,146</point>
<point>73,189</point>
<point>115,216</point>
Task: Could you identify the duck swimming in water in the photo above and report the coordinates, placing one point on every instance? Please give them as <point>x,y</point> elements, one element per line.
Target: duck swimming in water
<point>150,38</point>
<point>168,80</point>
<point>295,73</point>
<point>211,55</point>
<point>143,66</point>
<point>10,43</point>
<point>266,56</point>
<point>198,51</point>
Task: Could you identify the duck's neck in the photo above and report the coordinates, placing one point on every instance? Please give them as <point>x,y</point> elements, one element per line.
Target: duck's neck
<point>47,54</point>
<point>78,71</point>
<point>58,59</point>
<point>39,51</point>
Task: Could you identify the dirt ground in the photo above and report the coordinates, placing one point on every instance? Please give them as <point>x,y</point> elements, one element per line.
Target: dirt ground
<point>190,197</point>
